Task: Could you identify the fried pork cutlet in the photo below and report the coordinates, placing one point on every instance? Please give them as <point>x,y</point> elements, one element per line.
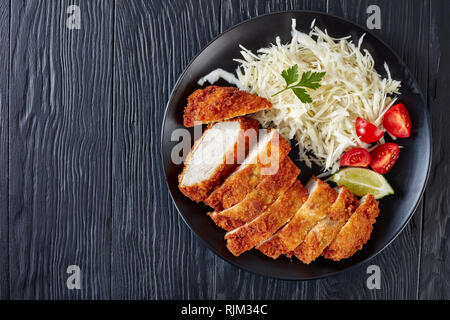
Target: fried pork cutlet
<point>356,232</point>
<point>257,201</point>
<point>279,213</point>
<point>220,103</point>
<point>327,229</point>
<point>271,148</point>
<point>215,156</point>
<point>316,208</point>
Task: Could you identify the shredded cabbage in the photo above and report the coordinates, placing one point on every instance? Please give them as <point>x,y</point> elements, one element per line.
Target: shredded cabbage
<point>324,129</point>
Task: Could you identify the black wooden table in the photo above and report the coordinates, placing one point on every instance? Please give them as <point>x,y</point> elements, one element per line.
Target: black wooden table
<point>81,179</point>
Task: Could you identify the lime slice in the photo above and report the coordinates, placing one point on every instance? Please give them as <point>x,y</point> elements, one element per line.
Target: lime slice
<point>363,181</point>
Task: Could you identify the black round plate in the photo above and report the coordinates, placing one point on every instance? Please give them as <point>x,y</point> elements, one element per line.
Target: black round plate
<point>408,177</point>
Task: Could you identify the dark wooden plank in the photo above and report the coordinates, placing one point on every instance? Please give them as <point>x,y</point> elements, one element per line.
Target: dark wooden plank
<point>4,147</point>
<point>435,261</point>
<point>60,122</point>
<point>235,11</point>
<point>244,285</point>
<point>155,255</point>
<point>405,26</point>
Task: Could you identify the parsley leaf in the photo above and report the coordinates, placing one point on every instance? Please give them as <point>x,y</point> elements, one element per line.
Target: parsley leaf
<point>309,79</point>
<point>302,95</point>
<point>290,75</point>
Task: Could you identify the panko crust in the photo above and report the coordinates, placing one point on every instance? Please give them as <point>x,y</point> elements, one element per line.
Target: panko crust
<point>261,228</point>
<point>326,230</point>
<point>356,232</point>
<point>273,247</point>
<point>199,192</point>
<point>257,201</point>
<point>245,179</point>
<point>215,103</point>
<point>344,206</point>
<point>292,234</point>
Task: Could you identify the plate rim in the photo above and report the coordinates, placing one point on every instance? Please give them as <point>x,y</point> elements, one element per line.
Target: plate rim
<point>427,121</point>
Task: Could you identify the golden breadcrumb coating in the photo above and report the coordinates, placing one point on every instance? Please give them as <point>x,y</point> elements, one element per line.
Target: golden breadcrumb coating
<point>279,213</point>
<point>292,234</point>
<point>327,229</point>
<point>356,232</point>
<point>257,201</point>
<point>220,103</point>
<point>199,192</point>
<point>246,178</point>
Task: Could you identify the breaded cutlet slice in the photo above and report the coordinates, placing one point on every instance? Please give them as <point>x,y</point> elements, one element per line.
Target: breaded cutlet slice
<point>271,148</point>
<point>316,208</point>
<point>215,156</point>
<point>221,103</point>
<point>257,201</point>
<point>327,229</point>
<point>356,232</point>
<point>262,227</point>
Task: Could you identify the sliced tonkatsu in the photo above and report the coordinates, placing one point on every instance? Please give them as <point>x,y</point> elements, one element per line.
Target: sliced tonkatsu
<point>257,201</point>
<point>321,197</point>
<point>356,232</point>
<point>221,103</point>
<point>262,227</point>
<point>271,149</point>
<point>215,156</point>
<point>327,229</point>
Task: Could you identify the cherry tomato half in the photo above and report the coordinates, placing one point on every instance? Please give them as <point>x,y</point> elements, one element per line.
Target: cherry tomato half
<point>357,157</point>
<point>367,132</point>
<point>397,121</point>
<point>384,157</point>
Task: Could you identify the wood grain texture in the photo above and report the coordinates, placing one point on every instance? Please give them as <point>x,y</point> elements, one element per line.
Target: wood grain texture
<point>231,282</point>
<point>155,255</point>
<point>4,147</point>
<point>60,130</point>
<point>435,259</point>
<point>235,11</point>
<point>82,180</point>
<point>405,27</point>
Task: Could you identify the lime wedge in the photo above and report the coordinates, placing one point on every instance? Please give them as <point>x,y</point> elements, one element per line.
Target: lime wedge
<point>363,181</point>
